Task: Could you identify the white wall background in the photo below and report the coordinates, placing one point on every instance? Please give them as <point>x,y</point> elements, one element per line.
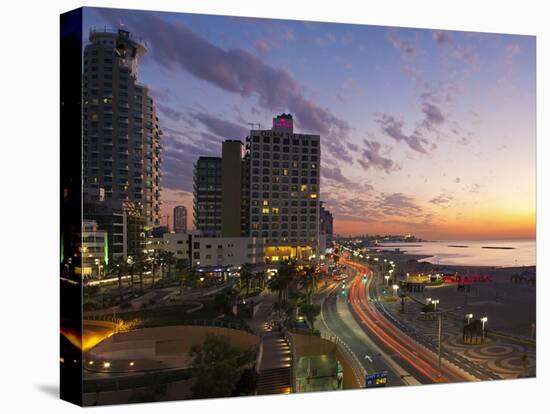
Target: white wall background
<point>29,208</point>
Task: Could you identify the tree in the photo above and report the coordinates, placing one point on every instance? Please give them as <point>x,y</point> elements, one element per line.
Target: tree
<point>216,367</point>
<point>169,259</point>
<point>310,312</point>
<point>260,277</point>
<point>225,300</point>
<point>246,276</point>
<point>141,262</point>
<point>310,279</point>
<point>155,261</point>
<point>286,274</point>
<point>121,267</point>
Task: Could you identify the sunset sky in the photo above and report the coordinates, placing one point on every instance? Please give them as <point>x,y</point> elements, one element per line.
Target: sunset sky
<point>423,131</point>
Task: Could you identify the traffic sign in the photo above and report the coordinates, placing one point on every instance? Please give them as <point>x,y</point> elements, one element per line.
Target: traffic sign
<point>376,380</point>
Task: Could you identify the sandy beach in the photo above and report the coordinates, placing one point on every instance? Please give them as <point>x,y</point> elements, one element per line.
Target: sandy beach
<point>499,300</point>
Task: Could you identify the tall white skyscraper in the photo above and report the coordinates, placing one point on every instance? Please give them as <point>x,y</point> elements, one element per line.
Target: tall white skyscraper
<point>121,128</point>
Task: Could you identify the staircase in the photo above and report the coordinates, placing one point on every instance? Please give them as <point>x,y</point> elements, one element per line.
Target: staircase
<point>275,371</point>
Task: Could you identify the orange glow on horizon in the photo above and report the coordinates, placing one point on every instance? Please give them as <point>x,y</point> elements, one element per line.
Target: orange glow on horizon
<point>488,225</point>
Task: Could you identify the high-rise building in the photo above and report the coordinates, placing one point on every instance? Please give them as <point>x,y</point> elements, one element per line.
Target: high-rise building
<point>284,190</point>
<point>207,196</point>
<point>326,225</point>
<point>120,126</point>
<point>232,182</point>
<point>180,219</point>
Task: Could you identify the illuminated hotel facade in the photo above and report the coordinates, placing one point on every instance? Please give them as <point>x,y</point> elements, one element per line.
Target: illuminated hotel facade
<point>284,174</point>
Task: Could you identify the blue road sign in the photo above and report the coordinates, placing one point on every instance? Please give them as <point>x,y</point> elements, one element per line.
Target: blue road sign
<point>376,380</point>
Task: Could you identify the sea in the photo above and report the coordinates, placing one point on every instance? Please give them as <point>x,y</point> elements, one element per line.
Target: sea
<point>499,253</point>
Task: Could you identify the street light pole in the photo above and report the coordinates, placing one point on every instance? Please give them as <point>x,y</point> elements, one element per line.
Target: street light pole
<point>439,344</point>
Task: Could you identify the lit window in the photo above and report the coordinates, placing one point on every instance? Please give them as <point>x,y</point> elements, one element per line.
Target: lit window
<point>266,202</point>
<point>265,210</point>
<point>303,187</point>
<point>275,210</point>
<point>313,195</point>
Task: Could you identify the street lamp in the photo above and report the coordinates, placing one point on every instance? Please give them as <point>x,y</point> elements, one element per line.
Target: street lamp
<point>387,277</point>
<point>483,321</point>
<point>98,264</point>
<point>395,287</point>
<point>469,317</point>
<point>439,332</point>
<point>435,302</point>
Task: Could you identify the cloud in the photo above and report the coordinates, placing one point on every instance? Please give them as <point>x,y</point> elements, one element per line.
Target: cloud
<point>442,38</point>
<point>442,200</point>
<point>398,204</point>
<point>394,129</point>
<point>352,147</point>
<point>221,127</point>
<point>173,114</point>
<point>262,46</point>
<point>176,47</point>
<point>181,151</point>
<point>433,113</point>
<point>406,48</point>
<point>336,178</point>
<point>373,159</point>
<point>475,189</point>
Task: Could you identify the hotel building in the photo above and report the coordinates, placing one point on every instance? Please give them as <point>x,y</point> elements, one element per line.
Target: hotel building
<point>284,190</point>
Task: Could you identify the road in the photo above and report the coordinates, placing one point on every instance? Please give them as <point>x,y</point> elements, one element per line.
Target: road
<point>338,321</point>
<point>412,353</point>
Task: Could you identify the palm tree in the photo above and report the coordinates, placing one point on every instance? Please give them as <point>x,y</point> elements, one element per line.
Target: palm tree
<point>155,260</point>
<point>281,283</point>
<point>260,277</point>
<point>246,276</point>
<point>120,265</point>
<point>310,312</point>
<point>141,261</point>
<point>311,282</point>
<point>130,269</point>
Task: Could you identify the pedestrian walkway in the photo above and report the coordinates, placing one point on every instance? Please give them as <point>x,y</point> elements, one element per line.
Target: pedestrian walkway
<point>507,358</point>
<point>275,371</point>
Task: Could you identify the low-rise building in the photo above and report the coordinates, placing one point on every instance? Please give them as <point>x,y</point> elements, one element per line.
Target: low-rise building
<point>196,249</point>
<point>92,249</point>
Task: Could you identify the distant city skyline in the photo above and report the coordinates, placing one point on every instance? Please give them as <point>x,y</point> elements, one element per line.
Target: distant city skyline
<point>423,131</point>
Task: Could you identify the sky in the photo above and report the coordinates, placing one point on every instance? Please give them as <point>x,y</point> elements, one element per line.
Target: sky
<point>423,131</point>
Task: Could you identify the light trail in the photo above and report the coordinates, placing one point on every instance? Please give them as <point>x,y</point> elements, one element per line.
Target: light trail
<point>423,360</point>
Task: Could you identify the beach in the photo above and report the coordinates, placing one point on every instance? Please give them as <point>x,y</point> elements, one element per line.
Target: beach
<point>508,303</point>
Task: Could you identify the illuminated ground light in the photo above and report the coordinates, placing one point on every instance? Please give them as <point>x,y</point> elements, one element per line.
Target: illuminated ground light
<point>106,365</point>
<point>132,364</point>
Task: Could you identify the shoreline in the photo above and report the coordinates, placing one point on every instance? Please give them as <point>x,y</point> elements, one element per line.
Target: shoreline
<point>422,258</point>
<point>409,263</point>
